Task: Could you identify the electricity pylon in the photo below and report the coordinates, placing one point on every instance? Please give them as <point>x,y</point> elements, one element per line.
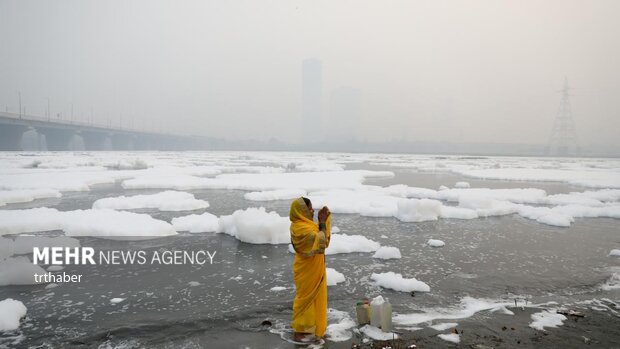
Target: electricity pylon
<point>563,139</point>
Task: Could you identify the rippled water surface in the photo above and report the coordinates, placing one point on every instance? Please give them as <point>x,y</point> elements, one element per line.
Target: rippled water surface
<point>499,258</point>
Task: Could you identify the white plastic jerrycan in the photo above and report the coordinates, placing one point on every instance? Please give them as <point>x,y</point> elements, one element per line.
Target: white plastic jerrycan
<point>376,310</point>
<point>386,316</point>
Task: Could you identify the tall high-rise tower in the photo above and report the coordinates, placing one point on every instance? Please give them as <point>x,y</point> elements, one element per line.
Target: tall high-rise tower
<point>563,139</point>
<point>311,97</point>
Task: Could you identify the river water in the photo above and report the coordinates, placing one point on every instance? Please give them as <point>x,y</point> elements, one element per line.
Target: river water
<point>230,304</point>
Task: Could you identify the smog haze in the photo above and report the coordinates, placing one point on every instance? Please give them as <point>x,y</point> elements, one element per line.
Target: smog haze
<point>432,71</point>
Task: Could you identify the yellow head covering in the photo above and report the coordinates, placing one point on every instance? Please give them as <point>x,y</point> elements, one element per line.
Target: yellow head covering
<point>305,235</point>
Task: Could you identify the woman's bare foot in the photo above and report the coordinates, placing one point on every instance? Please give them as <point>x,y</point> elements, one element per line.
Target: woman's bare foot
<point>301,337</point>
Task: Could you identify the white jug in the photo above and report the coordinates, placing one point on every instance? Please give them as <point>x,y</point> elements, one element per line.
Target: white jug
<point>375,311</point>
<point>386,316</point>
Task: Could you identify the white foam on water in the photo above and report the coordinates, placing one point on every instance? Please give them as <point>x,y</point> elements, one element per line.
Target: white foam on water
<point>502,310</point>
<point>377,334</point>
<point>127,164</point>
<point>570,199</point>
<point>99,223</point>
<point>308,181</point>
<point>387,252</point>
<point>443,326</point>
<point>435,243</point>
<point>194,223</point>
<point>18,271</point>
<point>423,204</point>
<point>110,224</point>
<point>343,243</point>
<point>315,166</point>
<point>256,226</point>
<point>404,191</point>
<point>418,210</point>
<point>545,215</point>
<point>484,206</point>
<point>581,211</point>
<point>65,178</point>
<point>23,244</point>
<point>11,311</point>
<point>587,178</point>
<point>334,277</point>
<point>457,212</point>
<point>271,195</point>
<point>168,181</point>
<point>450,337</point>
<point>20,221</point>
<point>515,195</point>
<point>613,283</point>
<point>546,318</point>
<point>164,201</point>
<point>339,325</point>
<point>26,195</point>
<point>468,307</point>
<point>397,282</point>
<point>371,203</point>
<point>603,195</point>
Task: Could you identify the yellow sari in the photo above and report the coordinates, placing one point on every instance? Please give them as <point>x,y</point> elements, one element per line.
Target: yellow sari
<point>310,305</point>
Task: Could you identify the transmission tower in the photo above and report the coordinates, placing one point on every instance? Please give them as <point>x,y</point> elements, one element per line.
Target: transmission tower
<point>563,139</point>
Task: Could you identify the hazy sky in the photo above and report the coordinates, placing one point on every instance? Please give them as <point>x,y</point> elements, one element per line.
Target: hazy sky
<point>467,71</point>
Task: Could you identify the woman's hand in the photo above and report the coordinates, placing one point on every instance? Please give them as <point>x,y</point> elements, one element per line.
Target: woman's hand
<point>324,214</point>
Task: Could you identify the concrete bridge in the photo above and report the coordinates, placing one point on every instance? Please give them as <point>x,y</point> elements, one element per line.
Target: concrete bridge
<point>59,133</point>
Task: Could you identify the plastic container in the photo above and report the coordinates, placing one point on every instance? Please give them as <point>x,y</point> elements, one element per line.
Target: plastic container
<point>375,311</point>
<point>361,309</point>
<point>386,316</point>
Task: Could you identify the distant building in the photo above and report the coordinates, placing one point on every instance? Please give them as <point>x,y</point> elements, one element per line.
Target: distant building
<point>345,113</point>
<point>311,98</point>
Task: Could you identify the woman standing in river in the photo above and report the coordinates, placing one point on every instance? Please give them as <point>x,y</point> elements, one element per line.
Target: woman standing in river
<point>309,241</point>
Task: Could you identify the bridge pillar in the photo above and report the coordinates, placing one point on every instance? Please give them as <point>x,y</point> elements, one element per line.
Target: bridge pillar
<point>142,142</point>
<point>56,139</point>
<point>121,142</point>
<point>11,137</point>
<point>94,140</point>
